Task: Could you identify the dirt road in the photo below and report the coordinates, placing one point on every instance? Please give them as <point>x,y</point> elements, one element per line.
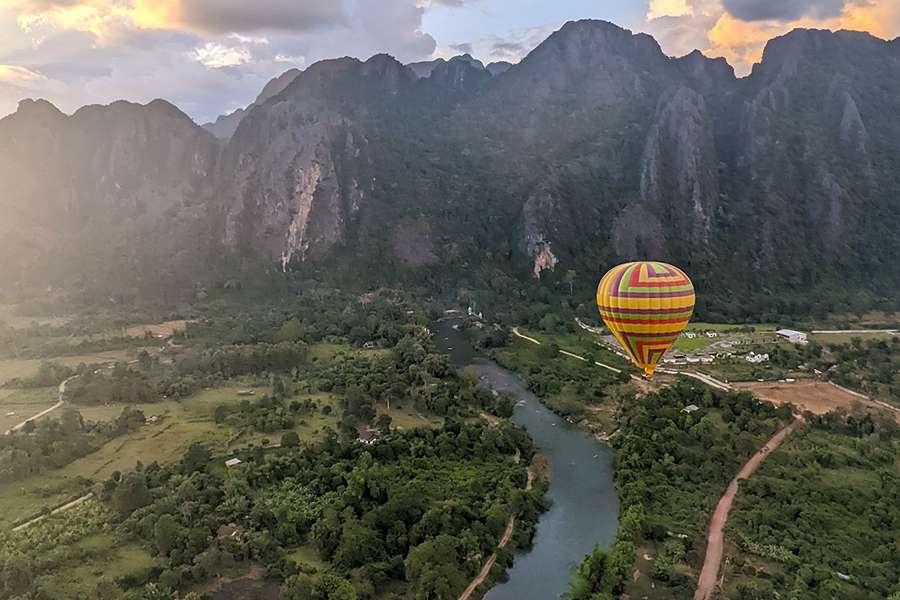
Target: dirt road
<point>62,391</point>
<point>515,331</point>
<point>57,510</point>
<point>715,539</point>
<point>818,397</point>
<point>642,383</point>
<point>504,540</point>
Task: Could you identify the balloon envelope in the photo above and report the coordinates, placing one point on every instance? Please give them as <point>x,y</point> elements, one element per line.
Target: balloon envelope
<point>646,305</point>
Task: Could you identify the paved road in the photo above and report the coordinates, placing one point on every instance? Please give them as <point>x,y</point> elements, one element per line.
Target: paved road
<point>709,575</point>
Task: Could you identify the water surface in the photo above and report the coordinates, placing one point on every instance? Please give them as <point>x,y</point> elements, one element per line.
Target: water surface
<point>585,507</point>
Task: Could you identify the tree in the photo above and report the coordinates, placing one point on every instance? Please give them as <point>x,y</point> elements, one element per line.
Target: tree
<point>383,423</point>
<point>290,331</point>
<point>433,568</point>
<point>290,440</point>
<point>28,427</point>
<point>504,406</point>
<point>196,458</point>
<point>570,279</point>
<point>332,587</point>
<point>130,494</point>
<point>165,534</point>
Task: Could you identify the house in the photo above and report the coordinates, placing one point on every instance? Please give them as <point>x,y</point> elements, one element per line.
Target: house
<point>755,358</point>
<point>367,436</point>
<point>711,334</point>
<point>794,337</point>
<point>689,335</point>
<point>229,531</point>
<point>233,462</point>
<point>370,345</point>
<point>690,408</point>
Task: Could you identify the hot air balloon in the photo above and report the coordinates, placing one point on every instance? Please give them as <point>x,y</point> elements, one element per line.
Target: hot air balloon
<point>646,305</point>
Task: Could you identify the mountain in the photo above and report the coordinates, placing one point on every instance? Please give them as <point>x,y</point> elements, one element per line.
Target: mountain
<point>498,67</point>
<point>424,69</point>
<point>117,190</point>
<point>777,192</point>
<point>225,126</point>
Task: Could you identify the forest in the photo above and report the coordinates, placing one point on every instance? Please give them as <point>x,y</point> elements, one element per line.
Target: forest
<point>671,466</point>
<point>819,520</point>
<point>414,513</point>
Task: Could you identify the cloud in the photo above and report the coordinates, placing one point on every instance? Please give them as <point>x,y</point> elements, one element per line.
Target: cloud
<point>465,48</point>
<point>783,10</point>
<point>668,8</point>
<point>98,51</point>
<point>507,50</point>
<point>511,46</point>
<point>18,74</point>
<point>450,3</point>
<point>217,56</point>
<point>738,30</point>
<point>222,16</point>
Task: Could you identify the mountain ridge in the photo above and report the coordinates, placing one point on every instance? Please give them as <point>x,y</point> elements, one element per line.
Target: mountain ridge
<point>595,148</point>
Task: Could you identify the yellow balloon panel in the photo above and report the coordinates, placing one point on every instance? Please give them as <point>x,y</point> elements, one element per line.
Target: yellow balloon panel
<point>646,305</point>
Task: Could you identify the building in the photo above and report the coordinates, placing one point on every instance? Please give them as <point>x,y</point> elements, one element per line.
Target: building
<point>233,462</point>
<point>690,408</point>
<point>794,337</point>
<point>229,531</point>
<point>367,436</point>
<point>753,357</point>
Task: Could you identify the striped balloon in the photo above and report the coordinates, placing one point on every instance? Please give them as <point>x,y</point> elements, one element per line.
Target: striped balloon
<point>646,305</point>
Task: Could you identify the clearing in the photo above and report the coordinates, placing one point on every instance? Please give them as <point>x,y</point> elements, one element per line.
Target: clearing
<point>10,369</point>
<point>818,397</point>
<point>158,330</point>
<point>17,405</point>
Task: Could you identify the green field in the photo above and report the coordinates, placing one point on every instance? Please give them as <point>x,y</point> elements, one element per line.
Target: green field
<point>23,404</point>
<point>581,343</point>
<point>846,338</point>
<point>307,556</point>
<point>689,345</point>
<point>164,441</point>
<point>10,369</point>
<point>759,327</point>
<point>99,556</point>
<point>10,315</point>
<point>323,351</point>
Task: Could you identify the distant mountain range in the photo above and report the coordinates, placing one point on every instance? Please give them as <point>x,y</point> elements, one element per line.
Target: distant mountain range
<point>780,187</point>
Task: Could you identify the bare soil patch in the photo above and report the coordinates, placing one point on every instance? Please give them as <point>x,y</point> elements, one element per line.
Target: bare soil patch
<point>818,397</point>
<point>158,330</point>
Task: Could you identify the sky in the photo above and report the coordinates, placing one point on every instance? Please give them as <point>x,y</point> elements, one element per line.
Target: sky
<point>210,57</point>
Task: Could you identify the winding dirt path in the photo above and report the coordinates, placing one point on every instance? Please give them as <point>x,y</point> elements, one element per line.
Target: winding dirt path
<point>504,540</point>
<point>716,539</point>
<point>60,402</point>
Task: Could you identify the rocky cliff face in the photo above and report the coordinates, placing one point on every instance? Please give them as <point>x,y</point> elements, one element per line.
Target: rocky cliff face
<point>595,148</point>
<point>87,186</point>
<point>225,126</point>
<point>297,169</point>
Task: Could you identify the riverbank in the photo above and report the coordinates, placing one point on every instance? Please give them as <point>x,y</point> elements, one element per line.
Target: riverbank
<point>584,510</point>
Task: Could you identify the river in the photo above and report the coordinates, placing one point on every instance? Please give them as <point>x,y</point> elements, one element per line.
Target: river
<point>585,506</point>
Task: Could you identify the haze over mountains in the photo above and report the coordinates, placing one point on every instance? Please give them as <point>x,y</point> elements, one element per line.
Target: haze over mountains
<point>595,148</point>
